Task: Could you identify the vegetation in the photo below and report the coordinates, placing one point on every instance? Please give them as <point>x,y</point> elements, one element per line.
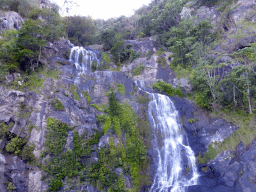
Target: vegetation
<point>15,145</point>
<point>73,89</point>
<point>121,89</point>
<point>120,119</point>
<point>167,88</point>
<point>138,70</point>
<point>58,106</point>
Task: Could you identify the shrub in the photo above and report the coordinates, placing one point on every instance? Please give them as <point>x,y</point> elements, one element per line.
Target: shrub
<point>143,100</point>
<point>73,89</point>
<point>58,106</point>
<point>179,92</point>
<point>27,153</point>
<point>15,145</point>
<point>164,87</point>
<point>202,100</point>
<point>138,70</point>
<point>94,66</point>
<point>55,185</point>
<point>121,89</point>
<point>161,61</point>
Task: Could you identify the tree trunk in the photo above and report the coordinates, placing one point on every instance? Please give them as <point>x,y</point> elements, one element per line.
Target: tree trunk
<point>248,92</point>
<point>234,96</point>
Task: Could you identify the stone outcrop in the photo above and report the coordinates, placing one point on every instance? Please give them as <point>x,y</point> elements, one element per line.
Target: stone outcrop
<point>10,20</point>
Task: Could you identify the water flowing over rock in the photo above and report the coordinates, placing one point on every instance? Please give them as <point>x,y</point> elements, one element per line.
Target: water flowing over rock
<point>176,163</point>
<point>84,59</point>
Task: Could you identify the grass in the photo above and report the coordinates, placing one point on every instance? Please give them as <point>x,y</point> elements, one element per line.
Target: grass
<point>245,133</point>
<point>105,58</point>
<point>143,100</point>
<point>58,106</point>
<point>33,82</point>
<point>121,89</point>
<point>161,61</point>
<point>96,107</point>
<point>73,89</point>
<point>138,70</point>
<point>167,88</point>
<point>87,96</point>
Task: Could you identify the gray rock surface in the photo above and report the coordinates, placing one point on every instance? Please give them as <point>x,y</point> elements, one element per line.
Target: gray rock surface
<point>10,20</point>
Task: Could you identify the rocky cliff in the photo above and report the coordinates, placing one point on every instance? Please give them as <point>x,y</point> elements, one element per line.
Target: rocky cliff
<point>25,108</point>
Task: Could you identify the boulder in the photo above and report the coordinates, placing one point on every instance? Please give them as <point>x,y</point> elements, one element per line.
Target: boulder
<point>10,20</point>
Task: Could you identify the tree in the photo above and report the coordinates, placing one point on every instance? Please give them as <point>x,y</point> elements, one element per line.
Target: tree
<point>108,39</point>
<point>113,104</point>
<point>30,43</point>
<point>80,30</point>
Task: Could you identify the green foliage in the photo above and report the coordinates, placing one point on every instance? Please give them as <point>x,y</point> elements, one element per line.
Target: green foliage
<point>187,41</point>
<point>73,89</point>
<point>106,59</point>
<point>11,187</point>
<point>56,136</point>
<point>113,105</point>
<point>164,87</point>
<point>121,89</point>
<point>141,35</point>
<point>27,153</point>
<point>138,70</point>
<point>80,30</point>
<point>167,88</point>
<point>7,50</point>
<point>192,120</point>
<point>143,99</point>
<point>4,129</point>
<point>179,92</point>
<point>55,185</point>
<point>210,154</point>
<point>15,145</point>
<point>58,106</point>
<point>132,159</point>
<point>202,100</point>
<point>161,61</point>
<point>160,51</point>
<point>161,17</point>
<point>87,96</point>
<point>94,66</point>
<point>107,38</point>
<point>31,127</point>
<point>96,107</point>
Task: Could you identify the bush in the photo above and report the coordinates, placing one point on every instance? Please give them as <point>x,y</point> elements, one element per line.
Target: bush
<point>161,61</point>
<point>138,70</point>
<point>27,153</point>
<point>55,185</point>
<point>58,106</point>
<point>164,87</point>
<point>202,100</point>
<point>15,145</point>
<point>94,66</point>
<point>179,92</point>
<point>121,89</point>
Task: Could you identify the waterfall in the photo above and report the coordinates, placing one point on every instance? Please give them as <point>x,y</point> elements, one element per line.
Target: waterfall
<point>176,162</point>
<point>84,58</point>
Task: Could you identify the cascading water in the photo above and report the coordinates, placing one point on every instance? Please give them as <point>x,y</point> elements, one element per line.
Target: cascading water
<point>176,162</point>
<point>83,58</point>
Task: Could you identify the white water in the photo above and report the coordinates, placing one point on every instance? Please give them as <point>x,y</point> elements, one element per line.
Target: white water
<point>84,63</point>
<point>173,151</point>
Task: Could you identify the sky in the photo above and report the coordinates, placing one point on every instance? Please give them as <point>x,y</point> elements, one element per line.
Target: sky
<point>105,9</point>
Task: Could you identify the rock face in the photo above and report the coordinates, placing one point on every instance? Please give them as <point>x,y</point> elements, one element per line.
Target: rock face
<point>10,20</point>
